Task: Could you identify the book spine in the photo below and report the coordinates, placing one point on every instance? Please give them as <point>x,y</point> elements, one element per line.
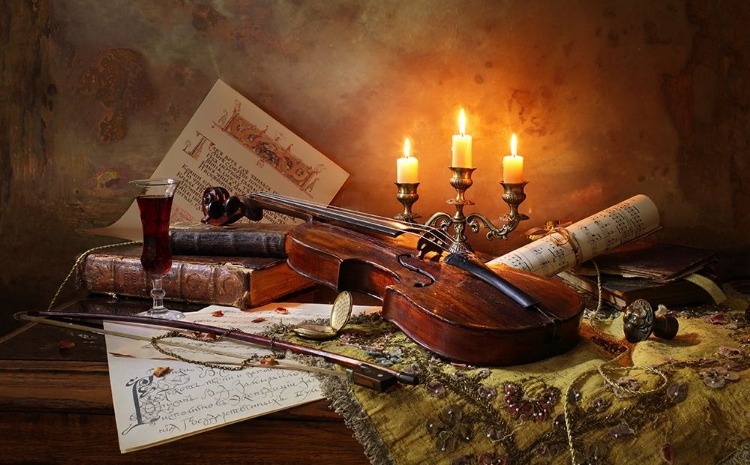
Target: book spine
<point>229,243</point>
<point>222,284</point>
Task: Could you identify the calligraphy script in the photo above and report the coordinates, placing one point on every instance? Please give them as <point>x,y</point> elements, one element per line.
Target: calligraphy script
<point>190,397</point>
<point>233,143</point>
<point>193,397</point>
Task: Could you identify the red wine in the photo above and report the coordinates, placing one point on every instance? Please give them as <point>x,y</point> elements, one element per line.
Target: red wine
<point>156,256</point>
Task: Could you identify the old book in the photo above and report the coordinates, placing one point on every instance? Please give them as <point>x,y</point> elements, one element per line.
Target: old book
<point>235,240</point>
<point>242,282</point>
<point>659,262</point>
<point>621,292</point>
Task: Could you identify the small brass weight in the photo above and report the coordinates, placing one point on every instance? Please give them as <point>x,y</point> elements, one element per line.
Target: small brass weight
<point>640,321</point>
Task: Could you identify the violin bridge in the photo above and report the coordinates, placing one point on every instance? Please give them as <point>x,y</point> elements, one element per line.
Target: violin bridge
<point>426,245</point>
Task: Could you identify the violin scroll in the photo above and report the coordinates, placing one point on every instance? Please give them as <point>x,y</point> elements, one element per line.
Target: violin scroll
<point>220,209</point>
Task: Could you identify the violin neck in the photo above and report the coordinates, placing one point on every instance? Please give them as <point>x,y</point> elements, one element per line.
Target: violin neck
<point>347,218</point>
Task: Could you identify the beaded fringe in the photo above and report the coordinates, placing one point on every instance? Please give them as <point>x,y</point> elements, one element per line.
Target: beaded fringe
<point>343,402</point>
<point>339,392</point>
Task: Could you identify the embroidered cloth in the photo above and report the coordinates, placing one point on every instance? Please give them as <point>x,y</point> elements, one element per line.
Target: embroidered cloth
<point>682,401</point>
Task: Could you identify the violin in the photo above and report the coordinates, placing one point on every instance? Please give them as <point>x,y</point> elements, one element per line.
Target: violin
<point>441,295</point>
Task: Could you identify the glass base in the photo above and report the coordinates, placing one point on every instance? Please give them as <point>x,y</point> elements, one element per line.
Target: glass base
<point>164,314</point>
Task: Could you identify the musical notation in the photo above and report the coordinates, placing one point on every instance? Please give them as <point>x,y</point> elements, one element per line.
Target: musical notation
<point>594,235</point>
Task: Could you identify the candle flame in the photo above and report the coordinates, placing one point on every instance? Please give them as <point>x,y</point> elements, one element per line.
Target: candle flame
<point>462,122</point>
<point>513,144</point>
<point>407,148</point>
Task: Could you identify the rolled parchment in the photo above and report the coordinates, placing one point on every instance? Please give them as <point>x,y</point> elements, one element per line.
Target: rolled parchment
<point>584,240</point>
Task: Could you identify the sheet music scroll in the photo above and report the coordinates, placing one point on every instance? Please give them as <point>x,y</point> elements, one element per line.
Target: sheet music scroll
<point>599,233</point>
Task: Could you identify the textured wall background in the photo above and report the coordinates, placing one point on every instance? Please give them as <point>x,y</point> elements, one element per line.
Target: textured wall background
<point>609,99</point>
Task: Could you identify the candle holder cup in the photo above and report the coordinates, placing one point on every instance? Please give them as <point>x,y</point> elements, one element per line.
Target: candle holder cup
<point>407,195</point>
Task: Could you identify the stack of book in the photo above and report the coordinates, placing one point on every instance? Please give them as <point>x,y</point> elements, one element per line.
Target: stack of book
<point>241,265</point>
<point>644,270</point>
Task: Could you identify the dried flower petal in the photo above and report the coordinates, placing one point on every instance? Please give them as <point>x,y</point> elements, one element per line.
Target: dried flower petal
<point>217,313</point>
<point>268,360</point>
<point>667,453</point>
<point>260,319</point>
<point>282,310</point>
<point>716,319</point>
<point>208,337</point>
<point>161,371</point>
<point>64,344</point>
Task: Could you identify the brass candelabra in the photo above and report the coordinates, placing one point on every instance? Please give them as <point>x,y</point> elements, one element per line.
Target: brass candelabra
<point>513,195</point>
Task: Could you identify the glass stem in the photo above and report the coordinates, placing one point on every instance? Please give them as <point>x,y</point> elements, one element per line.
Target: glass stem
<point>157,293</point>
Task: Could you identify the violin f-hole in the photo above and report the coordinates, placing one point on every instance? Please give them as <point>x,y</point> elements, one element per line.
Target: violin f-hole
<point>416,270</point>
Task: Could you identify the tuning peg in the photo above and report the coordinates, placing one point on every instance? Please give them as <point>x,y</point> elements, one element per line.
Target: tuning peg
<point>640,321</point>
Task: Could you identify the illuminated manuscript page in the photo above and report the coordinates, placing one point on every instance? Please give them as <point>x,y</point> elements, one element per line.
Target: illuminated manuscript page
<point>599,233</point>
<point>191,398</point>
<point>232,143</point>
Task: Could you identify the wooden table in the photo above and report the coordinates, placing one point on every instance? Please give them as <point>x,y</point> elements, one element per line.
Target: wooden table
<point>57,408</point>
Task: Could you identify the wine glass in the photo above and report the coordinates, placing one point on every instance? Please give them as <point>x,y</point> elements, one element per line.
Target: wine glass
<point>154,198</point>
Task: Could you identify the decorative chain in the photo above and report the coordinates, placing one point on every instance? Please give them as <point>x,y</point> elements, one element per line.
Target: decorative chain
<point>78,262</point>
<point>606,367</point>
<point>250,361</point>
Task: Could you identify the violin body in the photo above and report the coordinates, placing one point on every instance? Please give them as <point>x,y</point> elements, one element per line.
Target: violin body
<point>444,299</point>
<point>441,307</point>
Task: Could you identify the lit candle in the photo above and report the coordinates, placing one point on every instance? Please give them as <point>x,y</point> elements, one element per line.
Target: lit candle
<point>461,145</point>
<point>407,167</point>
<point>513,164</point>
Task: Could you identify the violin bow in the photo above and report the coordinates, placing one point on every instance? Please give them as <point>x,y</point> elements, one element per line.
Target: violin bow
<point>360,373</point>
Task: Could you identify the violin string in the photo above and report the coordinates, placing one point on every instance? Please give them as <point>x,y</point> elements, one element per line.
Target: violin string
<point>343,214</point>
<point>346,215</point>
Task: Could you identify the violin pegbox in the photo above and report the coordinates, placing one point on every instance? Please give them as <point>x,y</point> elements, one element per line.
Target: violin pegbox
<point>219,208</point>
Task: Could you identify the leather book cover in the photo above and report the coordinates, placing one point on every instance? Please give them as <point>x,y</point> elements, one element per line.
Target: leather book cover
<point>234,240</point>
<point>242,282</point>
<point>659,262</point>
<point>621,292</point>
